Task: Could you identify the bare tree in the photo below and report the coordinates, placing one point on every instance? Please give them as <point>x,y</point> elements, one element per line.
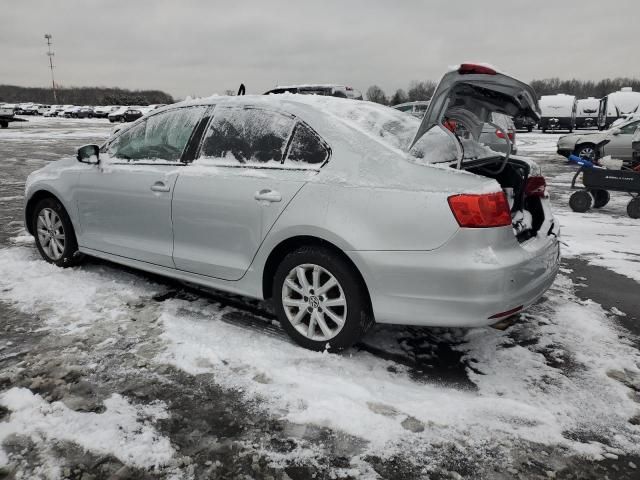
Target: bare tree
<point>421,90</point>
<point>399,97</point>
<point>376,94</point>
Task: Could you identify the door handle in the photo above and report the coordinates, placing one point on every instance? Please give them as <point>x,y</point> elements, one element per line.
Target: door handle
<point>160,187</point>
<point>268,195</point>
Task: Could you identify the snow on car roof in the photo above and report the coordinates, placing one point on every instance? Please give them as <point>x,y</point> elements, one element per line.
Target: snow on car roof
<point>385,124</point>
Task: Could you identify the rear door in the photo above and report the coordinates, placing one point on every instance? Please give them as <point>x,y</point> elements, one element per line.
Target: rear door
<point>478,91</point>
<point>252,163</point>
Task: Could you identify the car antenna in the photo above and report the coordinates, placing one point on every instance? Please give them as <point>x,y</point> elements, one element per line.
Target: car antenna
<point>241,90</point>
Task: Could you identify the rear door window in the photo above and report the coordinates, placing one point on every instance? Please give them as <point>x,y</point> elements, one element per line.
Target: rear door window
<point>247,136</point>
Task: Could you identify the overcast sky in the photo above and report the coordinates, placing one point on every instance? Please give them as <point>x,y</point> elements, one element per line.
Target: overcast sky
<point>194,47</point>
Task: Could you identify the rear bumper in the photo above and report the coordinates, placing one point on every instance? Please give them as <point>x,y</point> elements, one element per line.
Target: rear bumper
<point>459,284</point>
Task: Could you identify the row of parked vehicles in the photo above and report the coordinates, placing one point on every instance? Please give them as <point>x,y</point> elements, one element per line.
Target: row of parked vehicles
<point>115,113</point>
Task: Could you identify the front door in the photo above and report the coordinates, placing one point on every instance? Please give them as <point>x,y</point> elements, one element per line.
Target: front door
<point>124,202</point>
<point>252,164</point>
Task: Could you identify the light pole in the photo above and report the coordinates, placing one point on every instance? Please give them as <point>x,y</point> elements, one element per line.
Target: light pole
<point>51,54</point>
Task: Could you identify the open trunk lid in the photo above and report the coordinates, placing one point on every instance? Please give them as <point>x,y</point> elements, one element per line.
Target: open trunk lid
<point>463,102</point>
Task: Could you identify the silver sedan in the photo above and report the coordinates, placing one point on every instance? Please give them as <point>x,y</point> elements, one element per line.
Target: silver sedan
<point>329,207</point>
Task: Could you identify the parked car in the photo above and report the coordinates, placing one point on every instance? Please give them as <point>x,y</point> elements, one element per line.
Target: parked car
<point>42,109</point>
<point>53,111</point>
<point>271,179</point>
<point>134,113</point>
<point>521,122</point>
<point>24,108</point>
<point>617,104</point>
<point>494,138</point>
<point>104,111</point>
<point>8,115</point>
<point>117,115</point>
<point>30,109</point>
<point>70,111</point>
<point>319,89</point>
<point>587,112</point>
<point>417,108</point>
<point>615,142</point>
<point>558,112</point>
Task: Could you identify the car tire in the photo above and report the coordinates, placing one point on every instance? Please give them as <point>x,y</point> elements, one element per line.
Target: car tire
<point>51,222</point>
<point>633,208</point>
<point>588,151</point>
<point>529,129</point>
<point>122,120</point>
<point>544,130</point>
<point>581,201</point>
<point>4,124</point>
<point>309,312</point>
<point>600,197</point>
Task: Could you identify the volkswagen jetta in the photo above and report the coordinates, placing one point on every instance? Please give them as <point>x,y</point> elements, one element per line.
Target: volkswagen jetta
<point>342,212</point>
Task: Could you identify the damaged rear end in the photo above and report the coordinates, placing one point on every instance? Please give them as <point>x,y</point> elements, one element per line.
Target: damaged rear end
<point>510,236</point>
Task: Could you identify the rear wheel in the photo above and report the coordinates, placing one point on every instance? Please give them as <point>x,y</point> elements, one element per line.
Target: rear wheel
<point>4,124</point>
<point>320,300</point>
<point>633,208</point>
<point>55,238</point>
<point>529,129</point>
<point>580,201</point>
<point>600,198</point>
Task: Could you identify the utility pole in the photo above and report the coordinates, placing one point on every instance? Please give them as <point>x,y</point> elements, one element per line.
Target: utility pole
<point>51,54</point>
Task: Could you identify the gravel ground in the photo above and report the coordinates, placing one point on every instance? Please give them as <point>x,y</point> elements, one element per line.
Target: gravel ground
<point>106,372</point>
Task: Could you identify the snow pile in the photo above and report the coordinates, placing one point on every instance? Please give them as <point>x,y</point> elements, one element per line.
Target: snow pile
<point>123,430</point>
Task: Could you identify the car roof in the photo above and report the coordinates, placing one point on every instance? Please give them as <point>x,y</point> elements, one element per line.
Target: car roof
<point>332,117</point>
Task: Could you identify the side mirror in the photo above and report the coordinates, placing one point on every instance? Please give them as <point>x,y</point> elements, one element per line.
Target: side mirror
<point>88,154</point>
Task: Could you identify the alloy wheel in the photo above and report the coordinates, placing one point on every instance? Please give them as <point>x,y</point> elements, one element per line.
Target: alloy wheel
<point>51,233</point>
<point>314,302</point>
<point>587,152</point>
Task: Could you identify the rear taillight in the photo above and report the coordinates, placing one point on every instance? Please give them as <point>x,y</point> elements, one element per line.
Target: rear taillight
<point>536,187</point>
<point>500,134</point>
<point>481,211</point>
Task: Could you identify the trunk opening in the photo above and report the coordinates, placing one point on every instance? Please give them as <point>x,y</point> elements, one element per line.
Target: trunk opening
<point>527,212</point>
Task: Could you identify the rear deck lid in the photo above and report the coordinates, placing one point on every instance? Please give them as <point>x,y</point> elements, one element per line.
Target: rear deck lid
<point>469,95</point>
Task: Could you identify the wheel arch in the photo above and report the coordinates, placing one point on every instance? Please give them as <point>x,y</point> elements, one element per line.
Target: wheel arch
<point>280,251</point>
<point>31,205</point>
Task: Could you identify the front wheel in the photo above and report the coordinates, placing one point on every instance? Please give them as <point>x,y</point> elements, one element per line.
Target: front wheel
<point>587,151</point>
<point>320,300</point>
<point>55,238</point>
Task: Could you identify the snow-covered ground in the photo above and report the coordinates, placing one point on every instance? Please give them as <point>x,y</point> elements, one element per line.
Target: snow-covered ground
<point>557,389</point>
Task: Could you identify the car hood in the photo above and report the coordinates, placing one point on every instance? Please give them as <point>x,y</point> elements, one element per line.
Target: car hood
<point>597,138</point>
